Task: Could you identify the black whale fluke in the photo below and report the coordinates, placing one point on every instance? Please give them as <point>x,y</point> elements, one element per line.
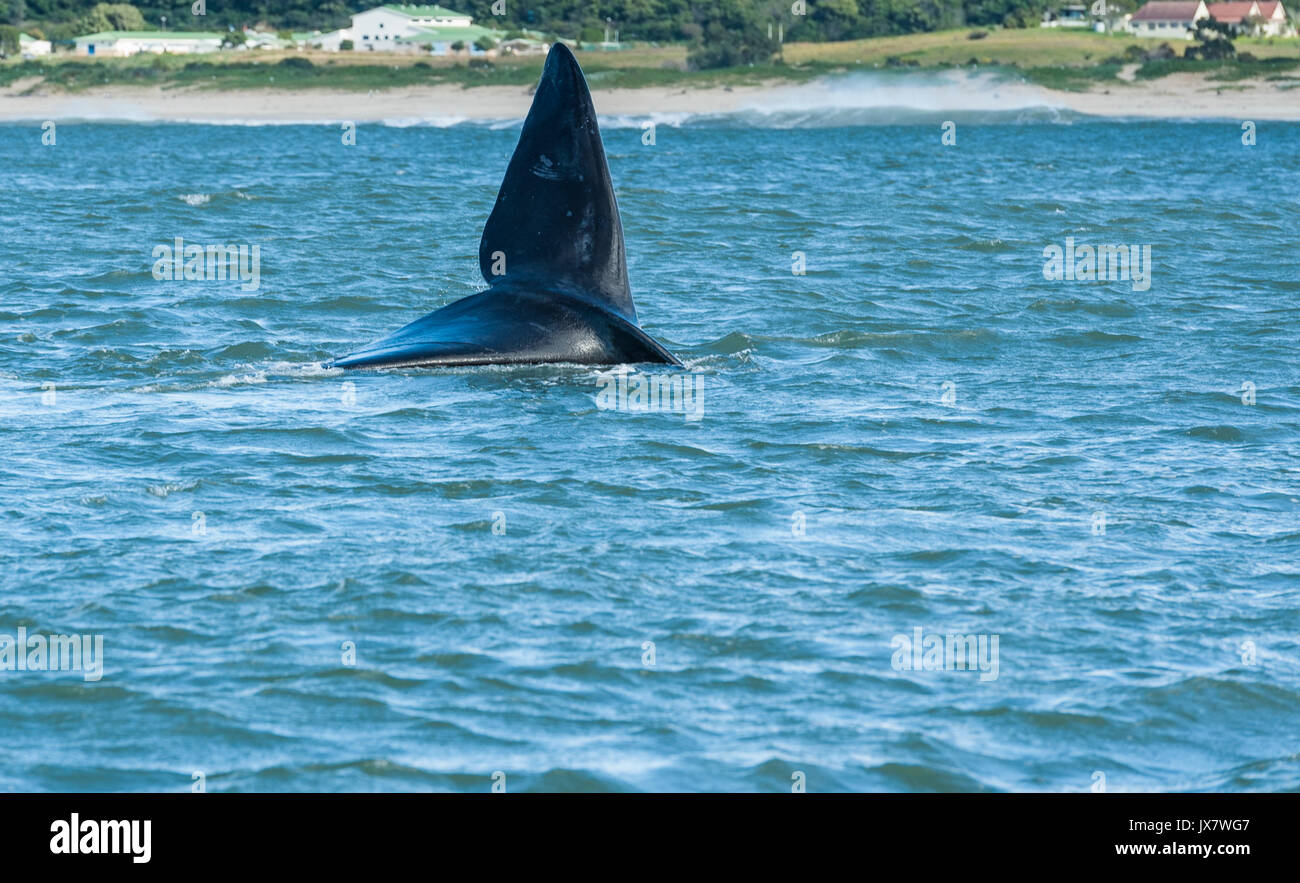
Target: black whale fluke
<point>556,215</point>
<point>552,253</point>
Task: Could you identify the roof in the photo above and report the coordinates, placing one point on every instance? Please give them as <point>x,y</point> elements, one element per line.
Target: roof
<point>107,36</point>
<point>1165,11</point>
<point>449,35</point>
<point>414,11</point>
<point>1268,7</point>
<point>1231,13</point>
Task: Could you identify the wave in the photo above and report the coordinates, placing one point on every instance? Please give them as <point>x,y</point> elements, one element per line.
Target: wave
<point>880,98</point>
<point>837,100</point>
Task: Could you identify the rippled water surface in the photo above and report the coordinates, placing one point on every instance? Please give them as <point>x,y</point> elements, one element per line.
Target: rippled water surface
<point>921,432</point>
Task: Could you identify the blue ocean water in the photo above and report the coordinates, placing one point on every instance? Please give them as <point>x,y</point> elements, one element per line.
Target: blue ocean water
<point>414,580</point>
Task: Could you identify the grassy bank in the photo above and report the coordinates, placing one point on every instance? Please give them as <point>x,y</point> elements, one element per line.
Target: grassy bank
<point>1061,59</point>
<point>356,72</point>
<point>1055,58</point>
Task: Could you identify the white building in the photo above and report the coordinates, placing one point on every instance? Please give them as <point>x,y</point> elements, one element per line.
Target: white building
<point>30,47</point>
<point>1273,21</point>
<point>1168,20</point>
<point>405,28</point>
<point>331,42</point>
<point>121,43</point>
<point>393,28</point>
<point>260,40</point>
<point>1267,19</point>
<point>1073,16</point>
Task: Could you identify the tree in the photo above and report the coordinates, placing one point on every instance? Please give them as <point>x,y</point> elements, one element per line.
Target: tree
<point>485,43</point>
<point>13,11</point>
<point>234,39</point>
<point>836,17</point>
<point>346,45</point>
<point>111,17</point>
<point>1213,41</point>
<point>9,44</point>
<point>731,34</point>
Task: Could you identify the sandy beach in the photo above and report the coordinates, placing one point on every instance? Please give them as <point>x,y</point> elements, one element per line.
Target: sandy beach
<point>1174,96</point>
<point>1186,96</point>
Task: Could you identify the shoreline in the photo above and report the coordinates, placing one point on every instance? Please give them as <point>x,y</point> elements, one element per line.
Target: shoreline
<point>1176,96</point>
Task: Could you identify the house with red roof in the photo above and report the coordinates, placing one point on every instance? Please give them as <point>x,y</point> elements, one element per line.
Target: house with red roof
<point>1237,14</point>
<point>1273,20</point>
<point>1168,19</point>
<point>1257,19</point>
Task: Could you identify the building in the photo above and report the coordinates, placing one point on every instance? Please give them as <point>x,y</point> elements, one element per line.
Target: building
<point>1256,19</point>
<point>402,28</point>
<point>1168,20</point>
<point>1072,16</point>
<point>1274,21</point>
<point>260,40</point>
<point>416,29</point>
<point>121,43</point>
<point>1233,13</point>
<point>523,46</point>
<point>30,47</point>
<point>331,42</point>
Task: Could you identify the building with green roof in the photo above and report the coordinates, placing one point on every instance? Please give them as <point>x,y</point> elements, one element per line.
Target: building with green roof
<point>119,43</point>
<point>398,27</point>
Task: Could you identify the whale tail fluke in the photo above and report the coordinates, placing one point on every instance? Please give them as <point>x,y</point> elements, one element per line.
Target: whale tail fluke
<point>556,217</point>
<point>552,253</point>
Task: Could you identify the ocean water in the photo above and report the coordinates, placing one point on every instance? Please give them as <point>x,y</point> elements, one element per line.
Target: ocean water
<point>415,580</point>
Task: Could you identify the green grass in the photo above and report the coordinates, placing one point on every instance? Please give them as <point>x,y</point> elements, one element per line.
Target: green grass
<point>1014,47</point>
<point>1264,68</point>
<point>293,72</point>
<point>1074,79</point>
<point>178,72</point>
<point>1221,70</point>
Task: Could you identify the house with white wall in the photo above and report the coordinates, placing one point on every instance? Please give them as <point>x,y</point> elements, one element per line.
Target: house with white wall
<point>30,47</point>
<point>1168,20</point>
<point>1257,19</point>
<point>406,28</point>
<point>121,43</point>
<point>1233,13</point>
<point>1074,15</point>
<point>1274,21</point>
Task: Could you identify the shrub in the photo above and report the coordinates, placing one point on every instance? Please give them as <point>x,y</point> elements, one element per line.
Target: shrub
<point>9,44</point>
<point>1213,41</point>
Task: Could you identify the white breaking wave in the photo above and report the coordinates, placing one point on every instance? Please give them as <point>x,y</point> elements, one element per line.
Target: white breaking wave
<point>877,97</point>
<point>930,91</point>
